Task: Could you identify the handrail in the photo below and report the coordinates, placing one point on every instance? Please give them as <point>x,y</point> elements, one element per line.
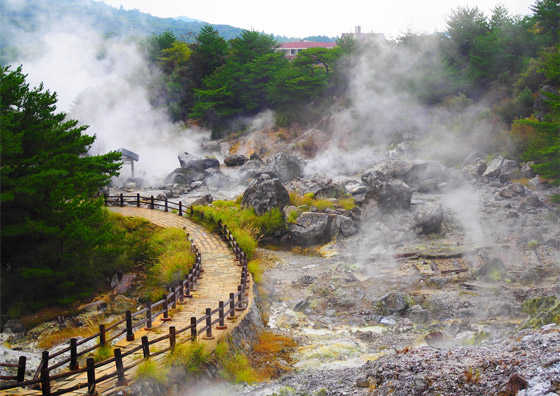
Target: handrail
<point>235,302</point>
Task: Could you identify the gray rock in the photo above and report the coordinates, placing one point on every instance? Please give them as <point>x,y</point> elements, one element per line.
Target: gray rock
<point>125,283</point>
<point>121,304</point>
<point>286,166</point>
<point>347,226</point>
<point>235,160</point>
<point>473,157</point>
<point>389,193</point>
<point>302,305</point>
<point>503,169</point>
<point>517,188</point>
<point>527,170</point>
<point>417,314</point>
<point>312,228</point>
<point>531,201</point>
<point>307,280</point>
<point>392,303</point>
<point>189,161</point>
<point>429,221</point>
<point>15,325</point>
<point>492,270</point>
<point>115,280</point>
<point>529,276</point>
<point>196,184</point>
<point>428,185</point>
<point>184,176</point>
<point>204,201</point>
<point>264,194</point>
<point>538,184</point>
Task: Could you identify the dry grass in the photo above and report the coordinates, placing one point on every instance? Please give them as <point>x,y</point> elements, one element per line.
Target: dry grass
<point>63,335</point>
<point>270,353</point>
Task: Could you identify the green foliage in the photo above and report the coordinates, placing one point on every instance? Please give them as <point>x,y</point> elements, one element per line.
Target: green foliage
<point>255,269</point>
<point>245,225</point>
<point>235,367</point>
<point>150,371</point>
<point>103,353</point>
<point>51,219</point>
<point>545,19</point>
<point>190,356</point>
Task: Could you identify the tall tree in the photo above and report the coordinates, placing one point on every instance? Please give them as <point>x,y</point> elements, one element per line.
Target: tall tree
<point>547,18</point>
<point>53,227</point>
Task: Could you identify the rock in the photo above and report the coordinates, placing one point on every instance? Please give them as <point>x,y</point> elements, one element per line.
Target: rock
<point>307,280</point>
<point>15,325</point>
<point>251,170</point>
<point>417,314</point>
<point>136,182</point>
<point>492,270</point>
<point>196,184</point>
<point>389,193</point>
<point>513,386</point>
<point>530,235</point>
<point>189,161</point>
<point>473,157</point>
<point>347,226</point>
<point>538,184</point>
<point>434,338</point>
<point>264,194</point>
<point>392,303</point>
<point>286,166</point>
<point>532,201</point>
<point>517,188</point>
<point>114,280</point>
<point>235,160</point>
<point>476,168</point>
<point>121,304</point>
<point>184,176</point>
<point>204,201</point>
<point>288,210</point>
<point>429,221</point>
<point>529,276</point>
<point>302,305</point>
<point>125,283</point>
<point>527,170</point>
<point>428,185</point>
<point>313,228</point>
<point>255,157</point>
<point>503,169</point>
<point>507,193</point>
<point>388,321</point>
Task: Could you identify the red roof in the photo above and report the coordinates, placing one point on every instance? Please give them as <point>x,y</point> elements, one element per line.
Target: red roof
<point>306,44</point>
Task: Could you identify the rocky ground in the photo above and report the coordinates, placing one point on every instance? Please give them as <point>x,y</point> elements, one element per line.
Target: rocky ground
<point>445,281</point>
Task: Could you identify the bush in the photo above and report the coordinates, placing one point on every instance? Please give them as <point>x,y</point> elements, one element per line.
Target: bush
<point>191,356</point>
<point>149,370</point>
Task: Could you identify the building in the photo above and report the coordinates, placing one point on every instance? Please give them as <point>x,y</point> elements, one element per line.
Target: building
<point>291,50</point>
<point>358,35</point>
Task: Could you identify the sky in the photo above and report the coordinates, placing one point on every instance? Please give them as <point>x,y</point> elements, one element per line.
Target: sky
<point>301,18</point>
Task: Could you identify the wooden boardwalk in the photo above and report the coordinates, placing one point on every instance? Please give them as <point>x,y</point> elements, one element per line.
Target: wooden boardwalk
<point>220,278</point>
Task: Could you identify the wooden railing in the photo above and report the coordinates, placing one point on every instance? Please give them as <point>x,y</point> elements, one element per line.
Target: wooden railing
<point>213,318</point>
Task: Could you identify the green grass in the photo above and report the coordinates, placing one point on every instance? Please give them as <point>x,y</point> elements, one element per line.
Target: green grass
<point>149,370</point>
<point>308,200</point>
<point>255,269</point>
<point>190,356</point>
<point>246,226</point>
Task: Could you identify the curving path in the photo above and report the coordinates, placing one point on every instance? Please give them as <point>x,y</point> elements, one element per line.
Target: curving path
<point>220,277</point>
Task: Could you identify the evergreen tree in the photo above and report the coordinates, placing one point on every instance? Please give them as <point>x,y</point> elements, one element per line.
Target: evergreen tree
<point>54,235</point>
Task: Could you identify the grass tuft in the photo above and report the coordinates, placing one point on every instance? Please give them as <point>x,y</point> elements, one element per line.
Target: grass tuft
<point>191,356</point>
<point>149,370</point>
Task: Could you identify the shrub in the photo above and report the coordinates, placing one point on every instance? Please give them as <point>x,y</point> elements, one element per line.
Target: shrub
<point>255,270</point>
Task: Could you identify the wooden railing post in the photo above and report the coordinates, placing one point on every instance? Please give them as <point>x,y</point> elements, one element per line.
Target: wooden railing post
<point>129,332</point>
<point>176,296</point>
<point>192,211</point>
<point>102,335</point>
<point>121,379</point>
<point>166,207</point>
<point>145,347</point>
<point>240,299</point>
<point>105,198</point>
<point>221,324</point>
<point>121,200</point>
<point>21,369</point>
<point>74,354</point>
<point>193,328</point>
<point>166,317</point>
<point>152,202</point>
<point>149,316</point>
<point>138,200</point>
<point>91,377</point>
<point>45,381</point>
<point>231,306</point>
<point>172,338</point>
<point>208,335</point>
<point>180,208</point>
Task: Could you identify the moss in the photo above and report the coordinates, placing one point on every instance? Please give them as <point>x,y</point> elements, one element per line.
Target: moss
<point>542,311</point>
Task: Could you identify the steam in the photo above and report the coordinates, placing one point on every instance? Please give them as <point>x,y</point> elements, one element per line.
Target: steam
<point>104,83</point>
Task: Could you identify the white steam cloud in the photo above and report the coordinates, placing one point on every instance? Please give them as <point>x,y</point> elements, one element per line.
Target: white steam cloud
<point>104,83</point>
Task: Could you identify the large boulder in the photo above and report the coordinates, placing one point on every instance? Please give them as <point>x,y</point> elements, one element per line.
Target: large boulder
<point>286,166</point>
<point>189,161</point>
<point>312,228</point>
<point>410,172</point>
<point>264,194</point>
<point>429,221</point>
<point>251,169</point>
<point>389,193</point>
<point>502,168</point>
<point>184,176</point>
